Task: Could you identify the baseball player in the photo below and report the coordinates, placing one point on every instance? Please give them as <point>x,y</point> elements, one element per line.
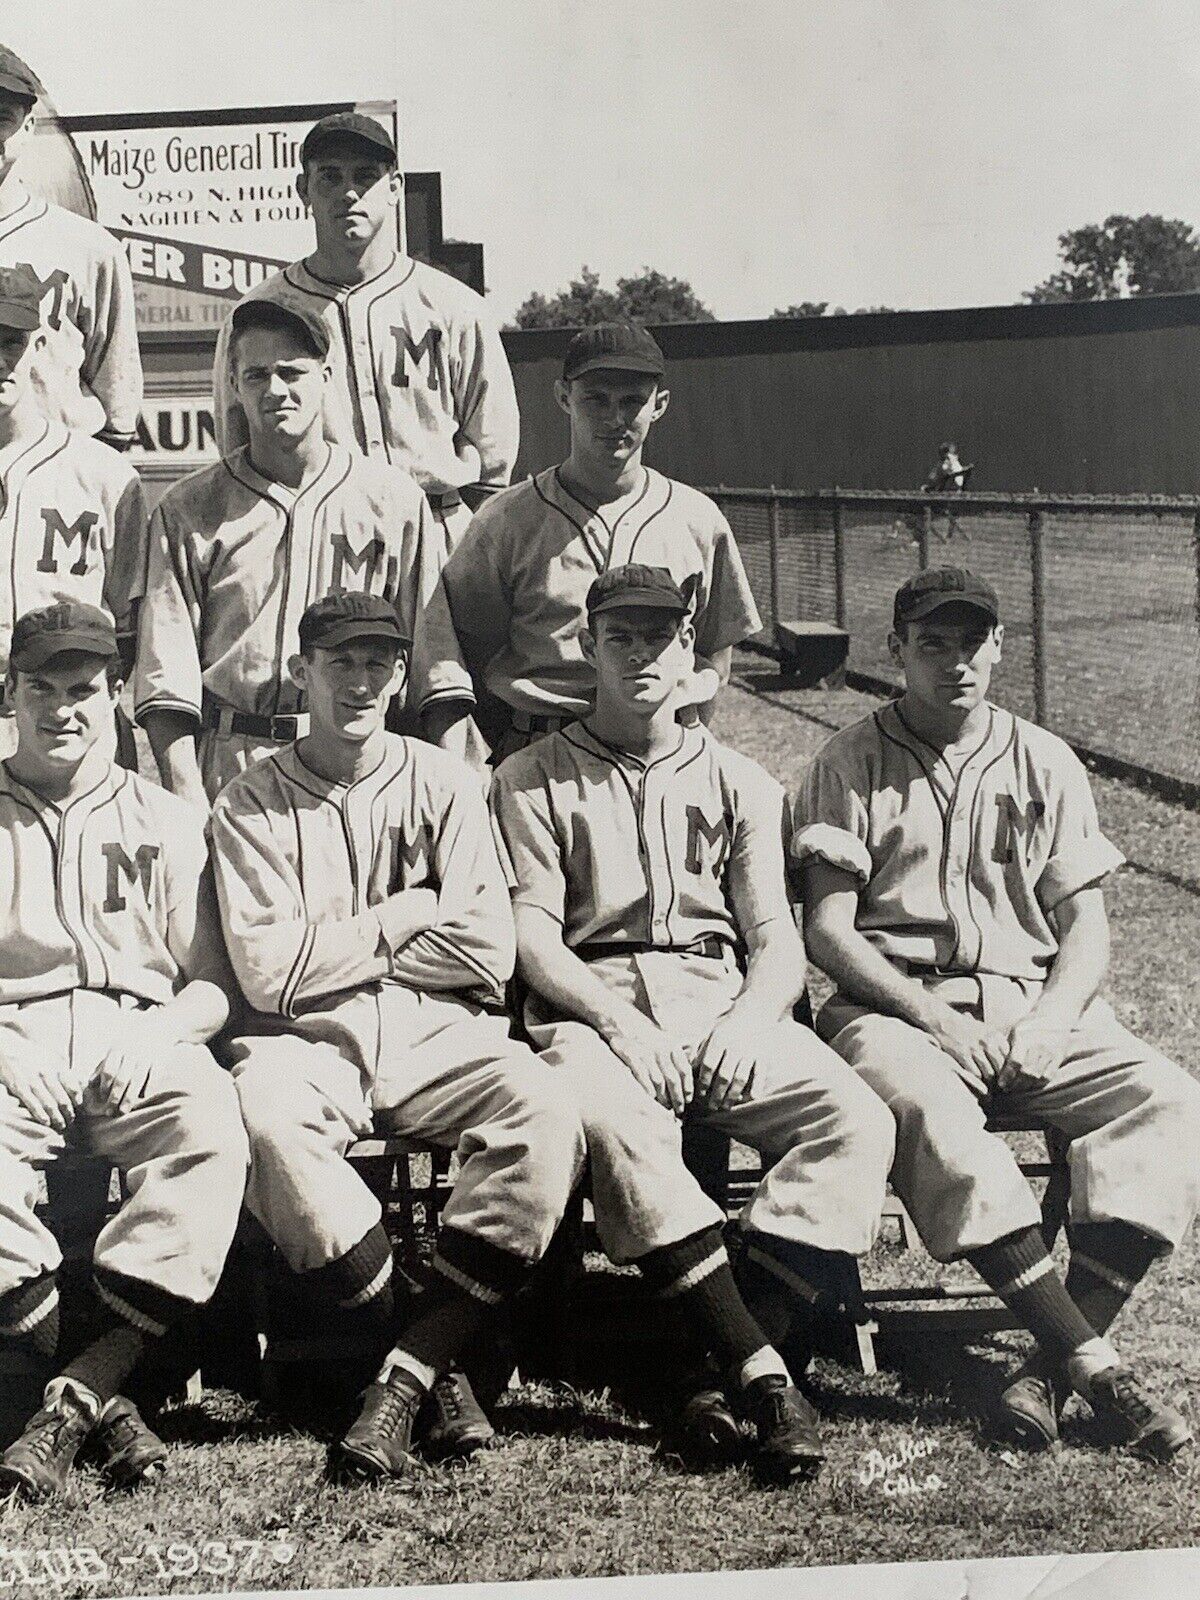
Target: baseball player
<point>420,377</point>
<point>72,516</point>
<point>111,984</point>
<point>369,924</point>
<point>654,931</point>
<point>952,871</point>
<point>88,374</point>
<point>517,584</point>
<point>240,548</point>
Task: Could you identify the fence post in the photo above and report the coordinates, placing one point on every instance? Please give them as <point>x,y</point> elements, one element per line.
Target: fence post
<point>1037,574</point>
<point>1196,561</point>
<point>923,533</point>
<point>773,543</point>
<point>839,564</point>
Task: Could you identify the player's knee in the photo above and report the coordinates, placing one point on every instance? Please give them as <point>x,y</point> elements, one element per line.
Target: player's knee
<point>870,1127</point>
<point>552,1131</point>
<point>263,1102</point>
<point>210,1116</point>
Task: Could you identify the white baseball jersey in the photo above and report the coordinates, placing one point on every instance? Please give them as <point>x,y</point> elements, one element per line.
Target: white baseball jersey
<point>235,559</point>
<point>959,863</point>
<point>665,854</point>
<point>420,377</point>
<point>89,375</point>
<point>517,583</point>
<point>72,523</point>
<point>88,890</point>
<point>303,863</point>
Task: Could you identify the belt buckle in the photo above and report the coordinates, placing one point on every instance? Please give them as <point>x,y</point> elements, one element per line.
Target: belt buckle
<point>277,724</point>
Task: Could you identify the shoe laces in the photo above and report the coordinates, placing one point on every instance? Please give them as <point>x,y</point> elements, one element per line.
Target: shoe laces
<point>395,1405</point>
<point>44,1441</point>
<point>1130,1397</point>
<point>120,1429</point>
<point>450,1398</point>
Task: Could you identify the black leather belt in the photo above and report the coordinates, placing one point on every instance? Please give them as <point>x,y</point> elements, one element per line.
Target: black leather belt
<point>711,947</point>
<point>529,722</point>
<point>226,721</point>
<point>443,500</point>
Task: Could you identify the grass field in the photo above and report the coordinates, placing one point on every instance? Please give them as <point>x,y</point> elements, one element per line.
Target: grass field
<point>575,1485</point>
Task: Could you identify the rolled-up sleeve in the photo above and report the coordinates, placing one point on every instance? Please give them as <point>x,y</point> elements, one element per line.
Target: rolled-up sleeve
<point>528,844</point>
<point>1080,855</point>
<point>830,821</point>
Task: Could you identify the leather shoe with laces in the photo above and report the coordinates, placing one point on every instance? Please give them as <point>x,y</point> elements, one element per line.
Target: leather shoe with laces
<point>379,1443</point>
<point>1031,1406</point>
<point>128,1452</point>
<point>789,1443</point>
<point>452,1424</point>
<point>1149,1428</point>
<point>704,1433</point>
<point>37,1464</point>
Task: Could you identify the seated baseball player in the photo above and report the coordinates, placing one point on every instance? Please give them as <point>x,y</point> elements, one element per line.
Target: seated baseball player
<point>368,922</point>
<point>75,523</point>
<point>518,581</point>
<point>952,870</point>
<point>112,981</point>
<point>240,548</point>
<point>654,931</point>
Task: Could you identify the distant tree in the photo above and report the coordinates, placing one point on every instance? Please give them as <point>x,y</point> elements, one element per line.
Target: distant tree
<point>1123,255</point>
<point>650,296</point>
<point>860,310</point>
<point>806,308</point>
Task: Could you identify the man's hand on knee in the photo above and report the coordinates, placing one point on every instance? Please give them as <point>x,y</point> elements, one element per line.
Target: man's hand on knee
<point>123,1076</point>
<point>40,1089</point>
<point>659,1066</point>
<point>1035,1053</point>
<point>724,1064</point>
<point>978,1053</point>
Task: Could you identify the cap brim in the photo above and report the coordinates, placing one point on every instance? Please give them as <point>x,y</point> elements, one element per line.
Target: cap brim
<point>19,317</point>
<point>640,364</point>
<point>46,646</point>
<point>15,86</point>
<point>939,602</point>
<point>344,632</point>
<point>378,147</point>
<point>640,601</point>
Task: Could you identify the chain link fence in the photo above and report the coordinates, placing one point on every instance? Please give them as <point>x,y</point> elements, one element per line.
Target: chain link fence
<point>1100,600</point>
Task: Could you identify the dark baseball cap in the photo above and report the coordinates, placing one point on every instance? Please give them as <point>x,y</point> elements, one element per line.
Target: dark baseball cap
<point>352,127</point>
<point>53,630</point>
<point>17,78</point>
<point>618,346</point>
<point>291,315</point>
<point>20,298</point>
<point>635,585</point>
<point>936,587</point>
<point>340,617</point>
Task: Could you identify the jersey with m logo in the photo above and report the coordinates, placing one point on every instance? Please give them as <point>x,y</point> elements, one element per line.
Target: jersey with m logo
<point>1013,823</point>
<point>75,537</point>
<point>707,842</point>
<point>124,872</point>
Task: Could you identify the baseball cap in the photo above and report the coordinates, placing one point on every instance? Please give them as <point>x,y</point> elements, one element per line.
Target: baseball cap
<point>20,298</point>
<point>55,629</point>
<point>17,78</point>
<point>928,591</point>
<point>293,315</point>
<point>343,616</point>
<point>622,346</point>
<point>351,125</point>
<point>636,585</point>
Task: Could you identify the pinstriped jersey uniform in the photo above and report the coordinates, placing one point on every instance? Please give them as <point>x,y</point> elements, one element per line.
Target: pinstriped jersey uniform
<point>303,864</point>
<point>88,890</point>
<point>959,862</point>
<point>72,523</point>
<point>420,377</point>
<point>517,583</point>
<point>235,558</point>
<point>89,375</point>
<point>665,853</point>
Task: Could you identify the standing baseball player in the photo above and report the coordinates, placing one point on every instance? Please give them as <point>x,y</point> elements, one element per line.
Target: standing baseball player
<point>952,872</point>
<point>72,516</point>
<point>654,931</point>
<point>240,548</point>
<point>111,985</point>
<point>518,583</point>
<point>369,924</point>
<point>420,377</point>
<point>88,373</point>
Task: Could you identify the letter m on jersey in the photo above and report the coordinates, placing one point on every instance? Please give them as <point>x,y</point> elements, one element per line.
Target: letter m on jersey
<point>54,527</point>
<point>120,867</point>
<point>417,350</point>
<point>1011,821</point>
<point>714,834</point>
<point>363,563</point>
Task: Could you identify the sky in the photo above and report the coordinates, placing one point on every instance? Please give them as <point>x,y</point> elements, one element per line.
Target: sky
<point>908,153</point>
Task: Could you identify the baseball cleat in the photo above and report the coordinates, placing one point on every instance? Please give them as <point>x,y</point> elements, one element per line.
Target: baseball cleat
<point>379,1443</point>
<point>704,1433</point>
<point>1147,1426</point>
<point>1032,1404</point>
<point>789,1443</point>
<point>37,1465</point>
<point>452,1424</point>
<point>129,1452</point>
